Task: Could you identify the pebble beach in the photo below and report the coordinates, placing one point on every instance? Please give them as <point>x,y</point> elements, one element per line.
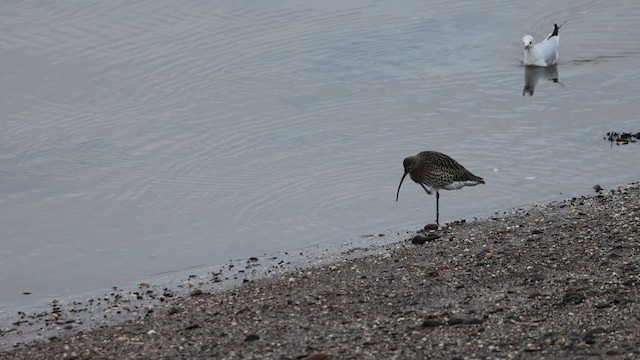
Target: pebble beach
<point>555,280</point>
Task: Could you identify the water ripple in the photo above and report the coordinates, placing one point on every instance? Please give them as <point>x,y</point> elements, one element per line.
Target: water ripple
<point>208,131</point>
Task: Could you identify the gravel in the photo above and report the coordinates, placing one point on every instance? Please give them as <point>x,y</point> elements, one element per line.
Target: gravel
<point>556,280</point>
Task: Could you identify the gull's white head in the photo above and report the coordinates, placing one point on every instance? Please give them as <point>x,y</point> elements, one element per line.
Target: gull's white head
<point>528,41</point>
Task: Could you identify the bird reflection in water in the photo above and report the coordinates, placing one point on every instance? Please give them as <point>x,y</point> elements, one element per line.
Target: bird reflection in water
<point>533,73</point>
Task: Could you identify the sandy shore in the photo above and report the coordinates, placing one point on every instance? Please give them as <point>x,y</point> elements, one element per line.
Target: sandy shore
<point>559,280</point>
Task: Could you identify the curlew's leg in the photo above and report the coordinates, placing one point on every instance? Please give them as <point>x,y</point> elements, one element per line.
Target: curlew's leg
<point>437,208</point>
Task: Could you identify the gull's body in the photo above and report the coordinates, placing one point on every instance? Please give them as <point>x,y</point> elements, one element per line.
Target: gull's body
<point>544,53</point>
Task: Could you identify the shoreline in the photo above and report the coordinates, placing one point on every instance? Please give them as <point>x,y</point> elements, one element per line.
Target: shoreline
<point>560,279</point>
<point>66,316</point>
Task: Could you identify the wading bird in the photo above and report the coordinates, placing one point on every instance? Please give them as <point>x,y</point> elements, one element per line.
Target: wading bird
<point>435,171</point>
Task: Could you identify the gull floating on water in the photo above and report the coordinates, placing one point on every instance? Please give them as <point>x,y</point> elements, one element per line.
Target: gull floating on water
<point>544,53</point>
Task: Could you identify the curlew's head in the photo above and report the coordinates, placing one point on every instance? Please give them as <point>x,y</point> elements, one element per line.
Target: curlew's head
<point>527,40</point>
<point>409,164</point>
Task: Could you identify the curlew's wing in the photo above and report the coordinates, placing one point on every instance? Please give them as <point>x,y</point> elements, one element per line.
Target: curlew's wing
<point>452,177</point>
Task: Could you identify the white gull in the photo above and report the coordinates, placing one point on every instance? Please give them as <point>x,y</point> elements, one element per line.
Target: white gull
<point>544,53</point>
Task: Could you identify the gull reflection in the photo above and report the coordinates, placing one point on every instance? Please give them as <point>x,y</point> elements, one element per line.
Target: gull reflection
<point>533,73</point>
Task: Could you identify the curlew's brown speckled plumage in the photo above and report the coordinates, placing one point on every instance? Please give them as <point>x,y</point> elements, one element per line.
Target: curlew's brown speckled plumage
<point>435,171</point>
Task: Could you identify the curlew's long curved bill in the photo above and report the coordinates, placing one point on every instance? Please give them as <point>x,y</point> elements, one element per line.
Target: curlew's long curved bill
<point>401,180</point>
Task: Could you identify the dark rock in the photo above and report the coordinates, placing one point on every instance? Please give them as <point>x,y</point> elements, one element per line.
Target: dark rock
<point>620,301</point>
<point>456,321</point>
<point>597,188</point>
<point>590,336</point>
<point>418,240</point>
<point>173,310</point>
<point>573,297</point>
<point>430,323</point>
<point>430,227</point>
<point>432,236</point>
<point>603,305</point>
<point>196,292</point>
<point>473,321</point>
<point>317,356</point>
<point>595,331</point>
<point>536,231</point>
<point>421,239</point>
<point>252,337</point>
<point>533,349</point>
<point>191,326</point>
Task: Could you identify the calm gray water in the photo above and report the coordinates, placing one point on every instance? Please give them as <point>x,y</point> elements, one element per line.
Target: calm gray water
<point>145,137</point>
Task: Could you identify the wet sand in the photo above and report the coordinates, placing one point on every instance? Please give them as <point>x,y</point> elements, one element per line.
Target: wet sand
<point>556,280</point>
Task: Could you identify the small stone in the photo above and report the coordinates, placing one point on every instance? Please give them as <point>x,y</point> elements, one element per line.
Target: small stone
<point>620,301</point>
<point>196,292</point>
<point>432,236</point>
<point>173,310</point>
<point>473,321</point>
<point>534,295</point>
<point>418,240</point>
<point>431,227</point>
<point>573,297</point>
<point>597,188</point>
<point>252,337</point>
<point>151,332</point>
<point>536,231</point>
<point>421,239</point>
<point>455,321</point>
<point>598,330</point>
<point>430,323</point>
<point>317,356</point>
<point>191,326</point>
<point>532,348</point>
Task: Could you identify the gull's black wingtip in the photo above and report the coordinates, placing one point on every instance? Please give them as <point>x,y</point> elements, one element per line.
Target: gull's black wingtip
<point>555,31</point>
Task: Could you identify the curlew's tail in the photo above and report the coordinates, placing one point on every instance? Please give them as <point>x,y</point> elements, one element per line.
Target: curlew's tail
<point>460,184</point>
